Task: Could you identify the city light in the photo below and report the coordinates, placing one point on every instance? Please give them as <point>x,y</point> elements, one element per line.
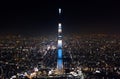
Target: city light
<point>59,25</point>
<point>60,30</point>
<point>59,10</point>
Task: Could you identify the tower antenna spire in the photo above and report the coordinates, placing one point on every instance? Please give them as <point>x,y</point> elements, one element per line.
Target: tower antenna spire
<point>59,10</point>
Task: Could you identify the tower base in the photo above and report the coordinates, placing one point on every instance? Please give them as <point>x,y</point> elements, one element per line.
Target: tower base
<point>59,72</point>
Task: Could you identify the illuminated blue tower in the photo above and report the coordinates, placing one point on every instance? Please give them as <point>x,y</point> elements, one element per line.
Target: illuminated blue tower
<point>59,54</point>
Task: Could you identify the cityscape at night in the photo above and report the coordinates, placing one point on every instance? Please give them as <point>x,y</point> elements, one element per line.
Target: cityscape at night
<point>60,40</point>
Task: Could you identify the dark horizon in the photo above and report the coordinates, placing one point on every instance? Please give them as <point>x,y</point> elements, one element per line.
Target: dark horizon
<point>84,17</point>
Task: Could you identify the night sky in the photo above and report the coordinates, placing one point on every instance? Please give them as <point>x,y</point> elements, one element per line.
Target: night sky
<point>96,16</point>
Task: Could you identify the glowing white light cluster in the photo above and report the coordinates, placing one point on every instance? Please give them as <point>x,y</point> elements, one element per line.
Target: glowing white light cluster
<point>59,30</point>
<point>97,71</point>
<point>59,10</point>
<point>59,25</point>
<point>48,47</point>
<point>59,43</point>
<point>53,47</point>
<point>35,69</point>
<point>33,74</point>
